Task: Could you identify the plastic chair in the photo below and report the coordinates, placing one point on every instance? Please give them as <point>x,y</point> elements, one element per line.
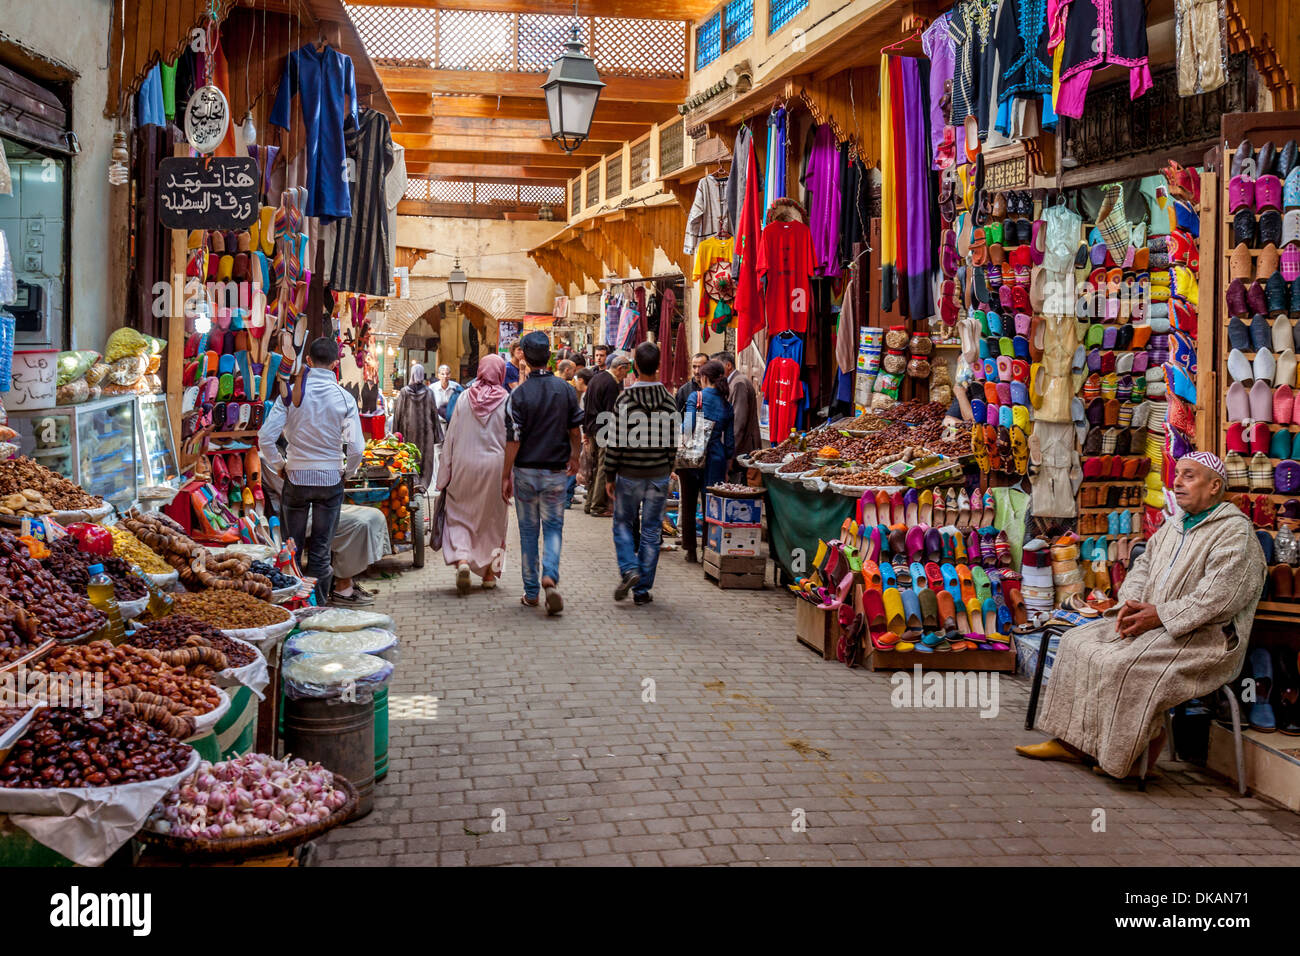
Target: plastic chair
<point>1031,714</point>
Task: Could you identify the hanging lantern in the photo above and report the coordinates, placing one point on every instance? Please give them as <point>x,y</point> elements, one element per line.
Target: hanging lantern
<point>457,282</point>
<point>572,90</point>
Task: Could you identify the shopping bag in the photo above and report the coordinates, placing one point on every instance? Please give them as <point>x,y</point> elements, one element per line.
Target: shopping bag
<point>693,443</point>
<point>437,520</point>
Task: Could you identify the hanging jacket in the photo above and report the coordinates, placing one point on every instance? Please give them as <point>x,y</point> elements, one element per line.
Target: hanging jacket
<point>708,213</point>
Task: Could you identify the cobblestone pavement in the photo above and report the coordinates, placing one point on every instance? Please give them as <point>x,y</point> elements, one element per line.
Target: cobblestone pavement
<point>499,714</point>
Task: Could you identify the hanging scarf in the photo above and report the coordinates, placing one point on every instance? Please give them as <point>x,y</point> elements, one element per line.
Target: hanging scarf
<point>920,195</point>
<point>888,205</point>
<point>749,299</point>
<point>776,142</point>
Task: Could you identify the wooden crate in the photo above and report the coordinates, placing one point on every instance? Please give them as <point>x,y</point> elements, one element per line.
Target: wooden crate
<point>735,572</point>
<point>816,629</point>
<point>1004,661</point>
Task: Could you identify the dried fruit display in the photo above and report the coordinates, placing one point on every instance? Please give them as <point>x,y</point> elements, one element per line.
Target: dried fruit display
<point>71,565</point>
<point>197,568</point>
<point>20,475</point>
<point>125,666</point>
<point>62,612</point>
<point>230,610</point>
<point>180,631</point>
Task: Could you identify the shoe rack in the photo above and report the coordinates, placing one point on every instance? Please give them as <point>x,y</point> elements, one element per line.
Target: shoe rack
<point>1258,128</point>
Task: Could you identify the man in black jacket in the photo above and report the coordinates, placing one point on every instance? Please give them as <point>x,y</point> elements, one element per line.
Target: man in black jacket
<point>542,445</point>
<point>602,393</point>
<point>640,449</point>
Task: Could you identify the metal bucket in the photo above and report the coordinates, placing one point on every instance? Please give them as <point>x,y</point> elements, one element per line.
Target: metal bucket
<point>340,736</point>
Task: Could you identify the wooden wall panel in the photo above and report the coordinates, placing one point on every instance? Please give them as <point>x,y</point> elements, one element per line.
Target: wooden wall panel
<point>153,30</point>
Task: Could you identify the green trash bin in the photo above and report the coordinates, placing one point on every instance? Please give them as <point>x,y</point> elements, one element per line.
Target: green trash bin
<point>381,733</point>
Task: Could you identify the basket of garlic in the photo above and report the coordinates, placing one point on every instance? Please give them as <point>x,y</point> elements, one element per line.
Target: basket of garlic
<point>252,805</point>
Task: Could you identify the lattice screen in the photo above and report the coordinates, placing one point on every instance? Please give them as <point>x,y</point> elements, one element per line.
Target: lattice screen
<point>640,47</point>
<point>441,190</point>
<point>496,192</point>
<point>486,41</point>
<point>613,176</point>
<point>640,169</point>
<point>541,194</point>
<point>593,187</point>
<point>708,40</point>
<point>737,22</point>
<point>542,39</point>
<point>575,197</point>
<point>781,12</point>
<point>416,189</point>
<point>475,40</point>
<point>672,147</point>
<point>398,33</point>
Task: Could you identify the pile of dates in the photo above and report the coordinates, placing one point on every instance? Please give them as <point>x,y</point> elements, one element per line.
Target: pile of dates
<point>64,748</point>
<point>179,631</point>
<point>17,632</point>
<point>71,565</point>
<point>61,612</point>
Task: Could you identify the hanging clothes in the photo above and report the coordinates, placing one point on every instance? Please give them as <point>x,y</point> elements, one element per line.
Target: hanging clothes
<point>709,252</point>
<point>1021,41</point>
<point>855,215</point>
<point>150,108</point>
<point>888,204</point>
<point>665,298</point>
<point>783,388</point>
<point>749,302</point>
<point>326,86</point>
<point>774,187</point>
<point>681,353</point>
<point>612,307</point>
<point>629,325</point>
<point>708,212</point>
<point>918,264</point>
<point>1101,33</point>
<point>823,180</point>
<point>361,261</point>
<point>938,45</point>
<point>394,190</point>
<point>735,194</point>
<point>786,260</point>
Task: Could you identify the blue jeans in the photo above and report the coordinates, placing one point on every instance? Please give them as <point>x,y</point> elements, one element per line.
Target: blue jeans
<point>539,503</point>
<point>647,496</point>
<point>569,490</point>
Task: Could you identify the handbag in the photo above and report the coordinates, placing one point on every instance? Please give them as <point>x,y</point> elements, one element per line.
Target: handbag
<point>693,443</point>
<point>437,521</point>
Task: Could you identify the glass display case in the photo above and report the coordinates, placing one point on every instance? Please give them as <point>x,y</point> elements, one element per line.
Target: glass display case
<point>156,465</point>
<point>94,444</point>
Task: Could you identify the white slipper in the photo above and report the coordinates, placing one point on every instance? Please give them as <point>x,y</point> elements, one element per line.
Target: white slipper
<point>1284,374</point>
<point>1265,365</point>
<point>1283,335</point>
<point>1239,366</point>
<point>189,399</point>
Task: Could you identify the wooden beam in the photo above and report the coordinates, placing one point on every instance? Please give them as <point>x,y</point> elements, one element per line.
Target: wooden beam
<point>483,83</point>
<point>507,180</point>
<point>484,141</point>
<point>426,127</point>
<point>489,156</point>
<point>464,210</point>
<point>632,9</point>
<point>484,171</point>
<point>412,104</point>
<point>518,107</point>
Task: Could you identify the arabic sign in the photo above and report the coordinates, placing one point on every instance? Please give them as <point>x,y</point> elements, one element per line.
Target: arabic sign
<point>215,193</point>
<point>207,117</point>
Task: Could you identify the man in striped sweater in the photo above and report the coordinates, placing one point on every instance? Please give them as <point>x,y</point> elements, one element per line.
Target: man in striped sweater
<point>640,441</point>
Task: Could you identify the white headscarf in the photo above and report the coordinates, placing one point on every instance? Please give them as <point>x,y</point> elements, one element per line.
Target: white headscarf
<point>417,373</point>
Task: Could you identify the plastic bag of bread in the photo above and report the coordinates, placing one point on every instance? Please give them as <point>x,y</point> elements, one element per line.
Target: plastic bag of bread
<point>73,365</point>
<point>155,363</point>
<point>73,393</point>
<point>124,342</point>
<point>127,370</point>
<point>96,373</point>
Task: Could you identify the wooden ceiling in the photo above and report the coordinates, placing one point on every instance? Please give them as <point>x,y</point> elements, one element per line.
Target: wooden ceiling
<point>481,124</point>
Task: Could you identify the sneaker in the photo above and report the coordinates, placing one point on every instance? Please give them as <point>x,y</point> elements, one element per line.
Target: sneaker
<point>365,592</point>
<point>644,598</point>
<point>355,599</point>
<point>630,580</point>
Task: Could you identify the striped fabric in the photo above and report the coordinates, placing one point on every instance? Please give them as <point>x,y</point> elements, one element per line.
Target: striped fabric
<point>316,479</point>
<point>361,248</point>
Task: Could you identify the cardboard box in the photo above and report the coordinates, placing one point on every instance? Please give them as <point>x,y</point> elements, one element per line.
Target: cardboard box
<point>1027,649</point>
<point>722,510</point>
<point>728,539</point>
<point>1272,762</point>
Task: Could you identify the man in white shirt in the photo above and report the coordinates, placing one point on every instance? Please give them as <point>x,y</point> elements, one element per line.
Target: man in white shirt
<point>319,428</point>
<point>443,392</point>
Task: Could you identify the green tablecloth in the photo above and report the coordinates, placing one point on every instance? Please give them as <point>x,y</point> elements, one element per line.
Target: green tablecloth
<point>797,519</point>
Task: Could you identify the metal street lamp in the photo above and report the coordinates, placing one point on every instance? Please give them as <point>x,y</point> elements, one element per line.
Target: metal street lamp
<point>457,283</point>
<point>572,90</point>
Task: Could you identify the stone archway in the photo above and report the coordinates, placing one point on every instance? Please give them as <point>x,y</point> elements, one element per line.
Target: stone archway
<point>446,321</point>
<point>493,299</point>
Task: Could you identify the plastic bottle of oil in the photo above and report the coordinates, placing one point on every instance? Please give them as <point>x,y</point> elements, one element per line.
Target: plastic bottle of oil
<point>100,592</point>
<point>160,602</point>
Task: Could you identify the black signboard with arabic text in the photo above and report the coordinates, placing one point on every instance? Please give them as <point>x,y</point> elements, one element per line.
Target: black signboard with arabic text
<point>214,193</point>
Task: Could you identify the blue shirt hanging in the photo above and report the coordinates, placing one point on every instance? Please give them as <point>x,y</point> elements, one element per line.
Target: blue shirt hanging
<point>326,85</point>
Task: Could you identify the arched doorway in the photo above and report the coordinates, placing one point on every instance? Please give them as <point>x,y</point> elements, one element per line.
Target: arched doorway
<point>445,334</point>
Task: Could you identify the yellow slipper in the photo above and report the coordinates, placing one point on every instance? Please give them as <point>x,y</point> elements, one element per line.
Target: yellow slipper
<point>1048,750</point>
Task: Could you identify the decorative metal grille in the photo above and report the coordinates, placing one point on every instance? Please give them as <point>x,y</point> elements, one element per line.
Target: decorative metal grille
<point>626,47</point>
<point>613,176</point>
<point>1115,126</point>
<point>526,42</point>
<point>542,39</point>
<point>708,40</point>
<point>398,33</point>
<point>672,147</point>
<point>541,194</point>
<point>640,168</point>
<point>737,22</point>
<point>593,187</point>
<point>781,12</point>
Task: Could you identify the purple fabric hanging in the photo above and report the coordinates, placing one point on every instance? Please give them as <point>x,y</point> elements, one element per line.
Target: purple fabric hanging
<point>823,181</point>
<point>937,44</point>
<point>917,183</point>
